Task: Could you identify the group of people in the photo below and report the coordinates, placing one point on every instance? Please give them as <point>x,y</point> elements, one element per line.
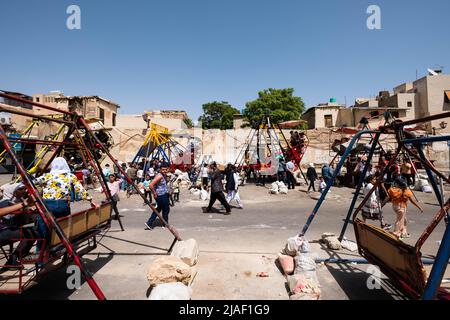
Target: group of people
<point>298,139</point>
<point>59,187</point>
<point>286,172</point>
<point>154,179</point>
<point>395,188</point>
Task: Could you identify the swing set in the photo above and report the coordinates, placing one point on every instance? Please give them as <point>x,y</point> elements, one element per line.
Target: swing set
<point>400,262</point>
<point>264,144</point>
<point>73,236</point>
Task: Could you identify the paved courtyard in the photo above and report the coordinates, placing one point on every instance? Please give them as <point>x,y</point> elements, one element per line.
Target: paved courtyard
<point>233,249</point>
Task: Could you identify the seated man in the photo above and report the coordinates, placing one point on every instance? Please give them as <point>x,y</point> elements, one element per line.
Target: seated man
<point>11,229</point>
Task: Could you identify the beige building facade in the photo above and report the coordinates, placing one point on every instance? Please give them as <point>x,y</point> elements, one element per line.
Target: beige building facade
<point>90,107</point>
<point>424,97</point>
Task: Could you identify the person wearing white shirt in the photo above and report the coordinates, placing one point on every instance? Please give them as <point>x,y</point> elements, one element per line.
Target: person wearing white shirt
<point>204,175</point>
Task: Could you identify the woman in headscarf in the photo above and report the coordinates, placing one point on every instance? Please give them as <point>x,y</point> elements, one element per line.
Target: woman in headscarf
<point>59,185</point>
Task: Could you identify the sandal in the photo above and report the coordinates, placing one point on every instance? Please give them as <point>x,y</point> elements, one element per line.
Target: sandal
<point>405,236</point>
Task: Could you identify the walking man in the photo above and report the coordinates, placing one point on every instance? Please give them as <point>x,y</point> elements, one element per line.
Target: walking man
<point>217,189</point>
<point>161,194</point>
<point>312,176</point>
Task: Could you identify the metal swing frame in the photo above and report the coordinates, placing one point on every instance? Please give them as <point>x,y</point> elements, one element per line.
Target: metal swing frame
<point>61,235</point>
<point>430,287</point>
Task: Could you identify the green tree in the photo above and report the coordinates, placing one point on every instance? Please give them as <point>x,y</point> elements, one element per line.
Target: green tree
<point>188,122</point>
<point>280,104</point>
<point>218,115</point>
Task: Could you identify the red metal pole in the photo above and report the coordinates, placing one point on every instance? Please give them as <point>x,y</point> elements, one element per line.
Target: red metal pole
<point>30,115</point>
<point>48,217</point>
<point>43,106</point>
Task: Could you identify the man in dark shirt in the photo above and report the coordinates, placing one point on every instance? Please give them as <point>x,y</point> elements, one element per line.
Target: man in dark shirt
<point>217,190</point>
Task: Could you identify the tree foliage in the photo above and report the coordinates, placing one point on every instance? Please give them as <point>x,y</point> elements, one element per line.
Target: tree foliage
<point>188,122</point>
<point>280,104</point>
<point>218,115</point>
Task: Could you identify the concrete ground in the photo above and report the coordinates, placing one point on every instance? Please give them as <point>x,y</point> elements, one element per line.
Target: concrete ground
<point>233,249</point>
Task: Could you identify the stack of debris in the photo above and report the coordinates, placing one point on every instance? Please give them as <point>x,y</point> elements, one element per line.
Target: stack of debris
<point>332,242</point>
<point>299,267</point>
<point>171,277</point>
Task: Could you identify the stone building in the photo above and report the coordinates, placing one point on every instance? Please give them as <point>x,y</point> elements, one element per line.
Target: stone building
<point>91,107</point>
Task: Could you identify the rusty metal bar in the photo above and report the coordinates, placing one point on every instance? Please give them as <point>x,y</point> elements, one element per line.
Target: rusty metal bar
<point>43,106</point>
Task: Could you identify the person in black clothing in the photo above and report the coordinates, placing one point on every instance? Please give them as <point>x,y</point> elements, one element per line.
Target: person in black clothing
<point>312,176</point>
<point>217,190</point>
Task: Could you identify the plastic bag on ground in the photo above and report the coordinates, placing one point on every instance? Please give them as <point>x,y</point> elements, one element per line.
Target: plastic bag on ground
<point>349,245</point>
<point>304,262</point>
<point>295,245</point>
<point>203,195</point>
<point>274,189</point>
<point>171,291</point>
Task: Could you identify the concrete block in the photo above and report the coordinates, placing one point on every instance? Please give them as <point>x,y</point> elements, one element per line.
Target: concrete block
<point>187,251</point>
<point>169,269</point>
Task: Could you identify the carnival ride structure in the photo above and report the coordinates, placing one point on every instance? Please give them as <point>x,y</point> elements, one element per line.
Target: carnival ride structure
<point>401,262</point>
<point>265,145</point>
<point>73,236</point>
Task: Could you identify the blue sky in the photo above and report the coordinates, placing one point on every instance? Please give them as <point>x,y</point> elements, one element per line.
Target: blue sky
<point>181,54</point>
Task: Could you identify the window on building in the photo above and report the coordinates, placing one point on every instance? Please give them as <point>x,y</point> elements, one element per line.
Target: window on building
<point>102,115</point>
<point>113,119</point>
<point>328,121</point>
<point>395,114</point>
<point>374,114</point>
<point>409,104</point>
<point>37,99</point>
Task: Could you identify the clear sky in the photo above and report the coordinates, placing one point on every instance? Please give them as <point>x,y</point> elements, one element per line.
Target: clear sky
<point>161,54</point>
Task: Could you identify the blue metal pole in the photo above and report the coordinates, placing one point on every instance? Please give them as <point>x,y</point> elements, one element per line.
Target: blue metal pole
<point>439,267</point>
<point>427,139</point>
<point>359,261</point>
<point>330,183</point>
<point>359,186</point>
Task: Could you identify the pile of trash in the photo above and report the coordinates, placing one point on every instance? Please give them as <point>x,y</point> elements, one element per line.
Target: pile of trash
<point>423,184</point>
<point>171,277</point>
<point>299,267</point>
<point>278,187</point>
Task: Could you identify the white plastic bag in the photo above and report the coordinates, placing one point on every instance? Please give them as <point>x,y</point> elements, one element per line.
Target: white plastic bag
<point>171,291</point>
<point>304,262</point>
<point>295,245</point>
<point>203,195</point>
<point>275,189</point>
